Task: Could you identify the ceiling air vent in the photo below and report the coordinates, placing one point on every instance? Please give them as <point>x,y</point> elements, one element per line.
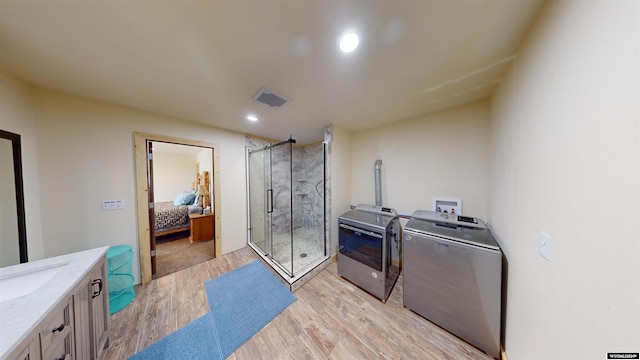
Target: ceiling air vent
<point>269,97</point>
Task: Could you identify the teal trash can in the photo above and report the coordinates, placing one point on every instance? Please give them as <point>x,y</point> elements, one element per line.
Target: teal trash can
<point>120,277</point>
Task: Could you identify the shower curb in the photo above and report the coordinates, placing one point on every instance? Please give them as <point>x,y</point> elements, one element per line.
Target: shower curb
<point>298,281</point>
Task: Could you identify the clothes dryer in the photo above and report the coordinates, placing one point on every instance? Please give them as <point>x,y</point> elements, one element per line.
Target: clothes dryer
<point>370,248</point>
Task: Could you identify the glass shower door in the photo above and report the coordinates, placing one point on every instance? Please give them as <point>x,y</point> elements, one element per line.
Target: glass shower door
<point>261,199</point>
<point>281,224</point>
<point>308,206</point>
<point>287,204</point>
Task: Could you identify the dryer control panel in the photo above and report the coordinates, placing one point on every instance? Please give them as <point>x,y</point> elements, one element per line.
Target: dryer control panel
<point>449,218</point>
<point>376,209</point>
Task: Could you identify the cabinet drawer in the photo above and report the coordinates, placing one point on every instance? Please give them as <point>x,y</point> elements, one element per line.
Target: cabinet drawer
<point>55,327</point>
<point>31,350</point>
<point>60,350</point>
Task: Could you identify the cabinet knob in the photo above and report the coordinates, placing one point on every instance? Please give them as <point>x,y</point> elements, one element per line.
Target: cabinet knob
<point>59,328</point>
<point>62,357</point>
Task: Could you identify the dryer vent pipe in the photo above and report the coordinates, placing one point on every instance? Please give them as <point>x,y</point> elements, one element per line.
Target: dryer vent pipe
<point>377,168</point>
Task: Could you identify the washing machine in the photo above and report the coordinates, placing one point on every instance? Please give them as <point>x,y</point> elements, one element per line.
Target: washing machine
<point>369,250</point>
<point>453,276</point>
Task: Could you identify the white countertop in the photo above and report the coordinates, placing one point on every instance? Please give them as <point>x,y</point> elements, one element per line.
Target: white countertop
<point>20,315</point>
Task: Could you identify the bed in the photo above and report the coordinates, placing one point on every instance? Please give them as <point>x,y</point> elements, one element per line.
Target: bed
<point>173,216</point>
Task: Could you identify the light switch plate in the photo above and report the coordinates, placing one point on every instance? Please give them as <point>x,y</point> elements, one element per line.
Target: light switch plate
<point>109,205</point>
<point>545,242</point>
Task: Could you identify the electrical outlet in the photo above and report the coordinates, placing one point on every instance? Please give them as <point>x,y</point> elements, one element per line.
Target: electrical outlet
<point>545,242</point>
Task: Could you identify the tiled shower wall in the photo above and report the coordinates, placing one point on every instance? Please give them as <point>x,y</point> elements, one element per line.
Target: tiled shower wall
<point>308,187</point>
<point>307,195</point>
<point>281,185</point>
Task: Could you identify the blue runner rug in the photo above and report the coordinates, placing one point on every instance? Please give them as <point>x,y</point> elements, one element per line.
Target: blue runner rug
<point>241,301</point>
<point>195,341</point>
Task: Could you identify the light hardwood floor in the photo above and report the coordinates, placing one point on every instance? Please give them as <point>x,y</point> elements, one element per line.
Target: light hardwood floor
<point>332,319</point>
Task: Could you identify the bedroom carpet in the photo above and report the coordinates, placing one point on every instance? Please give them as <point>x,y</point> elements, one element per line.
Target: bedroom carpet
<point>241,301</point>
<point>174,253</point>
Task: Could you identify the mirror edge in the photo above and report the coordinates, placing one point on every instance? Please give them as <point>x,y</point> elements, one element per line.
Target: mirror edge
<point>19,185</point>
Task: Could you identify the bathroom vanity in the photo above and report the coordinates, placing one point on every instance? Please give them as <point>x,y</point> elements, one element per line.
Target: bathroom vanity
<point>55,308</point>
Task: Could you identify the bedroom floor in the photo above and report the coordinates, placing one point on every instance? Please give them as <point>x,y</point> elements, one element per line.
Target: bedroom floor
<point>174,252</point>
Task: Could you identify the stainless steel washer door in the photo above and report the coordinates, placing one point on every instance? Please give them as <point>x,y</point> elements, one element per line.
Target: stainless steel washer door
<point>455,285</point>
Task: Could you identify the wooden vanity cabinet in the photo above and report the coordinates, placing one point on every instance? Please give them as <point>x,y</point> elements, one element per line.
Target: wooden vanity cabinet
<point>61,350</point>
<point>53,339</point>
<point>29,351</point>
<point>91,310</point>
<point>77,328</point>
<point>56,333</point>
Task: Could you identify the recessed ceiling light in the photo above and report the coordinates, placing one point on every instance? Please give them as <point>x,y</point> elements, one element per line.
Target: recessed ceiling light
<point>349,42</point>
<point>252,118</point>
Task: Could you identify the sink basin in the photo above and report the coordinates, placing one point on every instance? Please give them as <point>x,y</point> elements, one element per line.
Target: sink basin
<point>25,282</point>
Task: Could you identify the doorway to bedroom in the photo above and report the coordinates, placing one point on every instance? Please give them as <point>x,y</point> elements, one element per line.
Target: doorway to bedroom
<point>187,172</point>
<point>183,220</point>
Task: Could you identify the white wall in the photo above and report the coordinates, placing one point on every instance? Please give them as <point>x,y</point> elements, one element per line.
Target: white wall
<point>340,180</point>
<point>16,116</point>
<point>445,154</point>
<point>205,159</point>
<point>85,154</point>
<point>172,174</point>
<point>565,160</point>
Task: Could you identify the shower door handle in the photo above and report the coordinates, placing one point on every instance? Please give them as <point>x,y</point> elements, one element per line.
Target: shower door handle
<point>269,201</point>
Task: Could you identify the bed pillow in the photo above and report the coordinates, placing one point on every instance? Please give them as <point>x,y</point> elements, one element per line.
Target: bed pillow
<point>185,198</point>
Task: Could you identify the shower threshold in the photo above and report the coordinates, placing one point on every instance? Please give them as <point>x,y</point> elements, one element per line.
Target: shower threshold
<point>295,282</point>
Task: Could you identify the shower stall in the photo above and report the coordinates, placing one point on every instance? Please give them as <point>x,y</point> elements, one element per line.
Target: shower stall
<point>287,207</point>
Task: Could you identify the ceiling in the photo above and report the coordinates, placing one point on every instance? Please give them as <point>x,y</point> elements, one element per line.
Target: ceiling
<point>204,60</point>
